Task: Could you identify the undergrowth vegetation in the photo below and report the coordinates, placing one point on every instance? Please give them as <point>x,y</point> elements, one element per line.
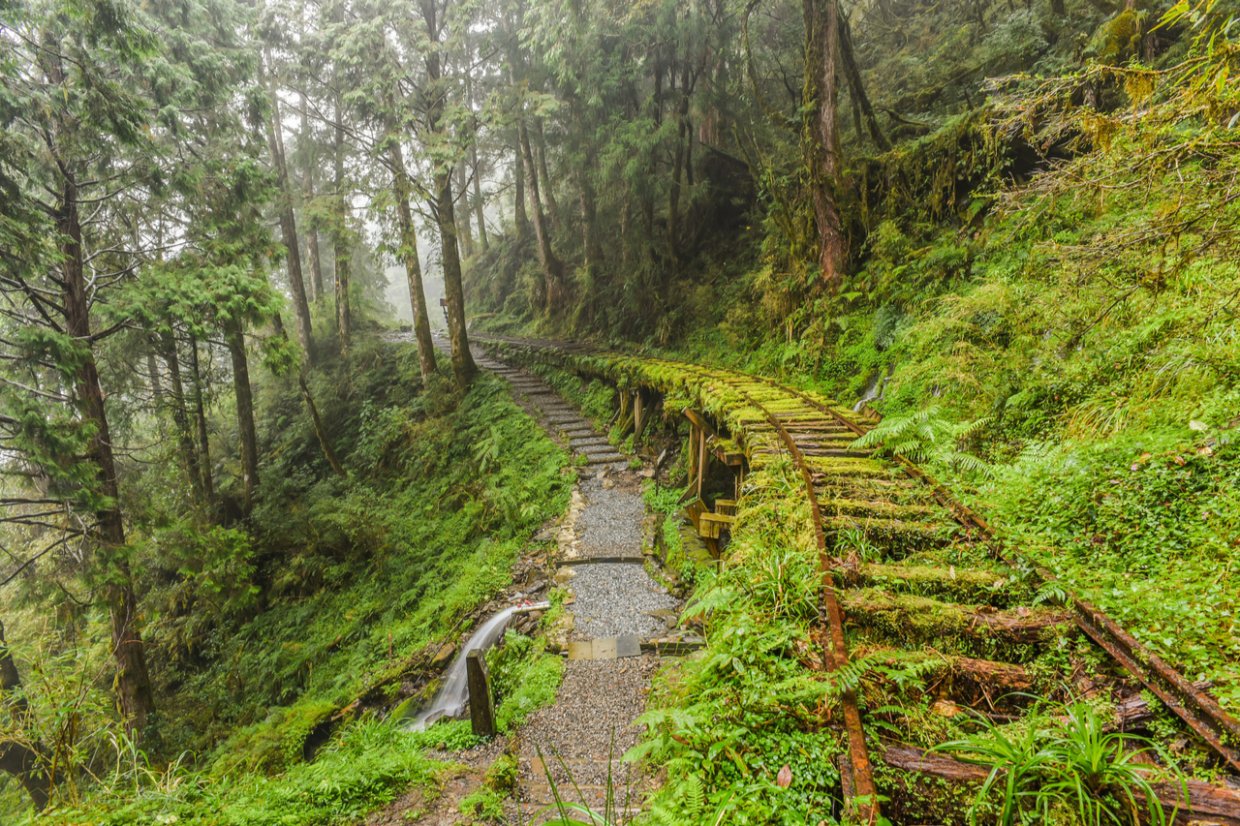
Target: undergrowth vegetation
<point>278,641</point>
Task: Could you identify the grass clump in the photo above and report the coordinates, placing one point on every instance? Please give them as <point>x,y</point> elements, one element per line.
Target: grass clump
<point>366,765</point>
<point>524,678</point>
<point>1068,769</point>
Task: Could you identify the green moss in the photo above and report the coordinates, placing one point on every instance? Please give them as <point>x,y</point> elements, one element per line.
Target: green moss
<point>273,744</point>
<point>953,628</point>
<point>947,582</point>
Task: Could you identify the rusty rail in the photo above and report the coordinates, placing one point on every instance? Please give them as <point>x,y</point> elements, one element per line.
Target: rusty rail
<point>861,793</point>
<point>1199,711</point>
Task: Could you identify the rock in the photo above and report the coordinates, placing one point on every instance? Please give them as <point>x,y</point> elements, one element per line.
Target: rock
<point>444,655</point>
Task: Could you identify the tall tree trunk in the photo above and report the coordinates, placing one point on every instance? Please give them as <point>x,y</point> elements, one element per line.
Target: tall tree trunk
<point>552,267</point>
<point>861,101</point>
<point>683,135</point>
<point>288,229</point>
<point>413,267</point>
<point>520,218</point>
<point>342,252</point>
<point>18,758</point>
<point>591,242</point>
<point>180,417</point>
<point>319,431</point>
<point>646,193</point>
<point>157,385</point>
<point>479,207</point>
<point>342,271</point>
<point>234,339</point>
<point>462,360</point>
<point>464,230</point>
<point>312,233</point>
<point>546,185</point>
<point>445,213</point>
<point>822,32</point>
<point>133,682</point>
<point>200,418</point>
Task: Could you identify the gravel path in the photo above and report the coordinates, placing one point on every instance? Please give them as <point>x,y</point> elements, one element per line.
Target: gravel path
<point>591,724</point>
<point>611,524</point>
<point>592,718</point>
<point>615,599</point>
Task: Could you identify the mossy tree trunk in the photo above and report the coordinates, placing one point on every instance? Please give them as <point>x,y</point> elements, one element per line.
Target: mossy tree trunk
<point>821,134</point>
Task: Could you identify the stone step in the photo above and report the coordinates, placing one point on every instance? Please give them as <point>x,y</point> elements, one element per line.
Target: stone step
<point>582,443</point>
<point>586,430</point>
<point>605,459</point>
<point>560,410</point>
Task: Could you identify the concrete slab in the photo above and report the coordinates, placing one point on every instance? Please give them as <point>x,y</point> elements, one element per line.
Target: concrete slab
<point>628,646</point>
<point>604,648</point>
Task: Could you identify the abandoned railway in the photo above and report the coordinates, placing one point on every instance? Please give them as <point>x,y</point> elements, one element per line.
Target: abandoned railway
<point>905,566</point>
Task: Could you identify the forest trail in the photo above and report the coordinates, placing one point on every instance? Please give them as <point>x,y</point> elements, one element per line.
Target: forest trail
<point>616,610</point>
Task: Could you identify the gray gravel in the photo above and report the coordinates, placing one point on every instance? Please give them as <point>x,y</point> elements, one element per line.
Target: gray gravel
<point>611,524</point>
<point>598,701</point>
<point>615,599</point>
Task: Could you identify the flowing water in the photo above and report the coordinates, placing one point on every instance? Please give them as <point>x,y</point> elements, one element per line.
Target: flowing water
<point>873,392</point>
<point>453,695</point>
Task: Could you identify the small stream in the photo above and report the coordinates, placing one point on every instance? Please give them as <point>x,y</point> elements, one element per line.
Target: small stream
<point>874,392</point>
<point>453,695</point>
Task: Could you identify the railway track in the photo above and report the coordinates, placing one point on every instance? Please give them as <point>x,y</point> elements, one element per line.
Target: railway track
<point>905,566</point>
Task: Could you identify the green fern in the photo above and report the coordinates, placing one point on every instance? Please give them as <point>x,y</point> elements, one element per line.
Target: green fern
<point>928,436</point>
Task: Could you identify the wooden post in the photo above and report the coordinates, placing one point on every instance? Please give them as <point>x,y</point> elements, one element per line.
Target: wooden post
<point>693,451</point>
<point>701,461</point>
<point>637,416</point>
<point>481,704</point>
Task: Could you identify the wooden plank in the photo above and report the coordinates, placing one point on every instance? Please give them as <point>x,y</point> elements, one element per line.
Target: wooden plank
<point>699,420</point>
<point>693,455</point>
<point>713,525</point>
